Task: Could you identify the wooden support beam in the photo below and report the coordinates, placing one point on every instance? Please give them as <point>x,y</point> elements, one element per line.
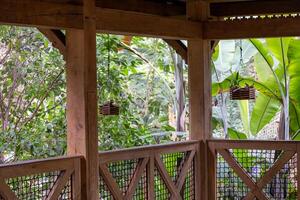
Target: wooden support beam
<point>6,191</point>
<point>259,28</point>
<point>247,8</point>
<point>57,38</point>
<point>127,23</point>
<point>82,106</point>
<point>200,95</point>
<point>65,15</point>
<point>179,47</point>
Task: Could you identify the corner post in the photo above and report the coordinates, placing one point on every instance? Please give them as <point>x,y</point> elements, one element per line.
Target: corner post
<point>200,94</point>
<point>82,99</point>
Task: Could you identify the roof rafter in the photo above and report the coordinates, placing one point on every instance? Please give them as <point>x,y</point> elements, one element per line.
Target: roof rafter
<point>65,15</point>
<point>259,28</point>
<point>58,40</point>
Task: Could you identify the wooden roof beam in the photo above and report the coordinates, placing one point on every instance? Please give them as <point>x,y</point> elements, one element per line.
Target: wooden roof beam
<point>260,28</point>
<point>127,23</point>
<point>145,6</point>
<point>246,8</point>
<point>57,15</point>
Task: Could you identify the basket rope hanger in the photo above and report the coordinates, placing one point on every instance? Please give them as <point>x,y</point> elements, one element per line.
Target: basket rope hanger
<point>236,91</point>
<point>109,108</point>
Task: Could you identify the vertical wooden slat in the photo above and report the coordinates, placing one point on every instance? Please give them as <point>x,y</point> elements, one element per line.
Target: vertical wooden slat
<point>212,170</point>
<point>76,180</point>
<point>150,178</point>
<point>298,171</point>
<point>200,95</point>
<point>82,99</point>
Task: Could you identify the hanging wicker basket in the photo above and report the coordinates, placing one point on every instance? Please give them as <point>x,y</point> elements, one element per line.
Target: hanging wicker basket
<point>109,108</point>
<point>246,93</point>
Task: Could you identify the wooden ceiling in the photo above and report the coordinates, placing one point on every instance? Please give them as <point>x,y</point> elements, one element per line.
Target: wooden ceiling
<point>218,8</point>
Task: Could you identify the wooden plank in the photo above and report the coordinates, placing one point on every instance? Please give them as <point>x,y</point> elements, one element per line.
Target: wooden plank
<point>298,169</point>
<point>57,38</point>
<point>144,6</point>
<point>110,182</point>
<point>247,8</point>
<point>268,176</point>
<point>65,15</point>
<point>121,22</point>
<point>211,173</point>
<point>179,47</point>
<point>199,80</point>
<point>59,184</point>
<point>6,192</point>
<point>150,178</point>
<point>36,167</point>
<point>254,144</point>
<point>260,28</point>
<point>76,180</point>
<point>167,180</point>
<point>146,151</point>
<point>82,104</point>
<point>41,13</point>
<point>141,166</point>
<point>242,174</point>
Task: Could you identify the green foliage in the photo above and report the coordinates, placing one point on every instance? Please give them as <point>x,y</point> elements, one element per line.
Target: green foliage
<point>276,78</point>
<point>32,96</point>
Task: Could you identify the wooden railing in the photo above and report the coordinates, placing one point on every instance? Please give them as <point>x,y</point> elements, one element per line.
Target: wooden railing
<point>155,172</point>
<point>253,169</point>
<point>48,179</point>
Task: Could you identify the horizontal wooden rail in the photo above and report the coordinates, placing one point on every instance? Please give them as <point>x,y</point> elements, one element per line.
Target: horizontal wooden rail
<point>167,169</point>
<point>253,144</point>
<point>48,178</point>
<point>146,151</point>
<point>257,169</point>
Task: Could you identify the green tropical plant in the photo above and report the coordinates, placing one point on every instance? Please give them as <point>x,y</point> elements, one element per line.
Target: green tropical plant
<point>276,63</point>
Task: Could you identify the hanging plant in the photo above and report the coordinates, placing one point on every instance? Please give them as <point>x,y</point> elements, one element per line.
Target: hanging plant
<point>236,91</point>
<point>241,93</point>
<point>109,108</point>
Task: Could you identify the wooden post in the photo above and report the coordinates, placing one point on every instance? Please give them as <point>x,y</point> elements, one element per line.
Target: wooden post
<point>82,99</point>
<point>200,95</point>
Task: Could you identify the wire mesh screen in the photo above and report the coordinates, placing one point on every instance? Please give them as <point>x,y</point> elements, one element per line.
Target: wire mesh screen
<point>141,192</point>
<point>174,163</point>
<point>38,186</point>
<point>188,191</point>
<point>104,191</point>
<point>123,172</point>
<point>256,163</point>
<point>229,185</point>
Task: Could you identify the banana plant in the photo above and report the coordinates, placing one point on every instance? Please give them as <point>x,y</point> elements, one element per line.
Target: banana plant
<point>277,67</point>
<point>227,59</point>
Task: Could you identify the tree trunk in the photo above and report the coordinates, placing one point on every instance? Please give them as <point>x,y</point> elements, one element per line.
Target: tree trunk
<point>180,96</point>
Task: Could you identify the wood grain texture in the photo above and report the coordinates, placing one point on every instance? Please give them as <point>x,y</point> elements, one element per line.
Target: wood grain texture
<point>260,28</point>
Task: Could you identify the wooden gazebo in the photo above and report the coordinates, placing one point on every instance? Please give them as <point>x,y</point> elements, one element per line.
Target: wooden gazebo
<point>87,174</point>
